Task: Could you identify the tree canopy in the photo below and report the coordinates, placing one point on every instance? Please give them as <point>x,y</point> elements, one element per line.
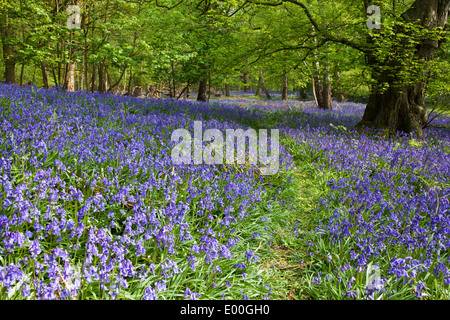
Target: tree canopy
<point>396,59</point>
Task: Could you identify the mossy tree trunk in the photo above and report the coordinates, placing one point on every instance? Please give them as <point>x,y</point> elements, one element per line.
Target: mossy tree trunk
<point>395,103</point>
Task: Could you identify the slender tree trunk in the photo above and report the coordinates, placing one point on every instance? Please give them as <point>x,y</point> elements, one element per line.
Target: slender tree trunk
<point>101,79</point>
<point>93,87</point>
<point>202,89</point>
<point>401,107</point>
<point>327,89</point>
<point>86,71</point>
<point>246,80</point>
<point>81,84</point>
<point>102,82</point>
<point>337,87</point>
<point>55,79</point>
<point>284,92</point>
<point>322,89</point>
<point>60,58</point>
<point>21,73</point>
<point>7,35</point>
<point>172,84</point>
<point>44,76</point>
<point>321,84</point>
<point>260,83</point>
<point>77,81</point>
<point>125,82</point>
<point>117,84</point>
<point>34,75</point>
<point>209,85</point>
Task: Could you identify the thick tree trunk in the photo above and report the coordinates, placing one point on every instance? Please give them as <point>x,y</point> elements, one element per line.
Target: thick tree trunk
<point>284,92</point>
<point>401,106</point>
<point>397,110</point>
<point>202,89</point>
<point>227,90</point>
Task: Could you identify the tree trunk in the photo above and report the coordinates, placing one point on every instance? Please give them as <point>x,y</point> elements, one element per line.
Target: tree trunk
<point>202,89</point>
<point>227,90</point>
<point>267,93</point>
<point>284,92</point>
<point>152,90</point>
<point>322,90</point>
<point>321,84</point>
<point>21,73</point>
<point>34,75</point>
<point>129,83</point>
<point>70,76</point>
<point>55,79</point>
<point>102,79</point>
<point>246,81</point>
<point>86,71</point>
<point>8,50</point>
<point>337,88</point>
<point>401,106</point>
<point>93,88</point>
<point>260,83</point>
<point>322,93</point>
<point>303,95</point>
<point>327,89</point>
<point>137,91</point>
<point>78,81</point>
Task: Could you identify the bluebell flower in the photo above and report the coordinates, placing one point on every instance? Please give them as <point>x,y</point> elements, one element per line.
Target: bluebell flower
<point>149,294</point>
<point>191,295</point>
